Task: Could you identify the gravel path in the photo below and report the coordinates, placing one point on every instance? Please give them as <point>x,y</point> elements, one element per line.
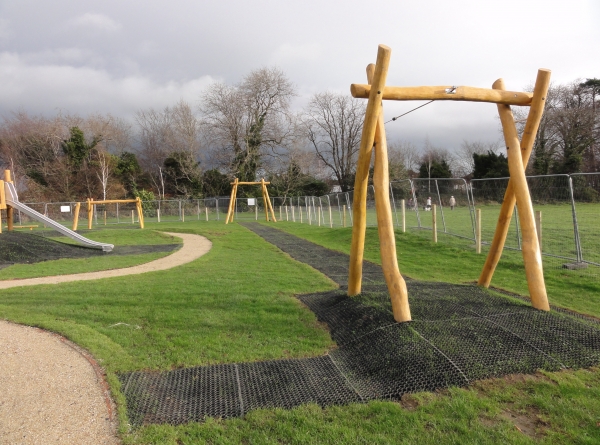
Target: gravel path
<point>53,392</point>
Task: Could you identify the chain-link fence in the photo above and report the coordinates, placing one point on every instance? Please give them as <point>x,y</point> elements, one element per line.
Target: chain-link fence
<point>568,206</point>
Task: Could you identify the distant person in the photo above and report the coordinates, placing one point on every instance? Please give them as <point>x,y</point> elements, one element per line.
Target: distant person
<point>428,204</point>
<point>452,203</point>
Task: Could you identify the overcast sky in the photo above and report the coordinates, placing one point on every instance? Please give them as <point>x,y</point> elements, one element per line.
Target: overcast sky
<point>120,56</point>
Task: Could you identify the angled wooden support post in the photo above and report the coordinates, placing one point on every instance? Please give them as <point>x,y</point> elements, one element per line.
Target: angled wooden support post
<point>359,205</point>
<point>140,211</point>
<point>9,209</point>
<point>532,256</point>
<point>76,216</point>
<point>267,200</point>
<point>536,110</point>
<point>232,202</point>
<point>385,224</point>
<point>90,212</point>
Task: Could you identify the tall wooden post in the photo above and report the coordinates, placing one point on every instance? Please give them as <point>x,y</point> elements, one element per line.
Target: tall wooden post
<point>536,111</point>
<point>76,216</point>
<point>10,212</point>
<point>3,204</point>
<point>385,223</point>
<point>478,231</point>
<point>532,256</point>
<point>403,213</point>
<point>140,211</point>
<point>90,212</point>
<point>359,206</point>
<point>434,222</point>
<point>229,217</point>
<point>268,200</point>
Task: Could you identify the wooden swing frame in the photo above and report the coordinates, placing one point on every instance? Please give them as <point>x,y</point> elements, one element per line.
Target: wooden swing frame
<point>374,140</point>
<point>265,195</point>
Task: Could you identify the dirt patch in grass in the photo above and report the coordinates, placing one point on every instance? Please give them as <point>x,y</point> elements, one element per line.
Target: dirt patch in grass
<point>527,421</point>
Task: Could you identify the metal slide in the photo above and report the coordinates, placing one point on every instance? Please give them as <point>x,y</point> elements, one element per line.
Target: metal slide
<point>12,199</point>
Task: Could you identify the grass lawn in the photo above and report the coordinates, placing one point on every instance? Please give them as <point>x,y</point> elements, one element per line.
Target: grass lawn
<point>236,304</point>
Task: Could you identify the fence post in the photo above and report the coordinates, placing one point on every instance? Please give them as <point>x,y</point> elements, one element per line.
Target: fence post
<point>575,224</point>
<point>471,204</point>
<point>206,211</point>
<point>256,210</point>
<point>441,206</point>
<point>293,213</point>
<point>344,216</point>
<point>182,213</point>
<point>393,203</point>
<point>158,215</point>
<point>287,215</point>
<point>330,216</point>
<point>478,232</point>
<point>132,218</point>
<point>434,222</point>
<point>403,209</point>
<point>538,226</point>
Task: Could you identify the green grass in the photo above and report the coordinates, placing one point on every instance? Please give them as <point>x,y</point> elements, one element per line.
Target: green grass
<point>453,261</point>
<point>235,304</point>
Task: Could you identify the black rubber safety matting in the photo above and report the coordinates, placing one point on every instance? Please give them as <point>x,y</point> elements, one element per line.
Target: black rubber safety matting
<point>24,248</point>
<point>459,334</point>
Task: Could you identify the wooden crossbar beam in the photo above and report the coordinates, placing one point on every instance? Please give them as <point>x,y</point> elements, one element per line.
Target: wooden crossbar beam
<point>116,201</point>
<point>461,93</point>
<point>249,183</point>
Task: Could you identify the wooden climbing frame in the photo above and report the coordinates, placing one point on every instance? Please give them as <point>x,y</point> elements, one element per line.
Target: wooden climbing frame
<point>374,141</point>
<point>265,195</point>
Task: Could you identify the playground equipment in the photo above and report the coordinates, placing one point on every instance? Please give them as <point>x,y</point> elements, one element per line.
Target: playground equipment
<point>374,140</point>
<point>9,200</point>
<point>265,195</point>
<point>90,210</point>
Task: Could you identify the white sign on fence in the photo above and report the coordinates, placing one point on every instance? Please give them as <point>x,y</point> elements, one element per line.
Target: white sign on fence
<point>65,209</point>
<point>251,201</point>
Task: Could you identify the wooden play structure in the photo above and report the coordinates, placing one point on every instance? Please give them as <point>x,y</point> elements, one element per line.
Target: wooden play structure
<point>265,195</point>
<point>90,210</point>
<point>374,140</point>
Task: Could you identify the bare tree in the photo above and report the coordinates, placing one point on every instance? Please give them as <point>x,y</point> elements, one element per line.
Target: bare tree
<point>406,154</point>
<point>333,125</point>
<point>463,161</point>
<point>243,123</point>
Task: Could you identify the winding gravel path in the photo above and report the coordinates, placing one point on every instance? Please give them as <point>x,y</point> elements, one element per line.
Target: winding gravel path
<point>52,391</point>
